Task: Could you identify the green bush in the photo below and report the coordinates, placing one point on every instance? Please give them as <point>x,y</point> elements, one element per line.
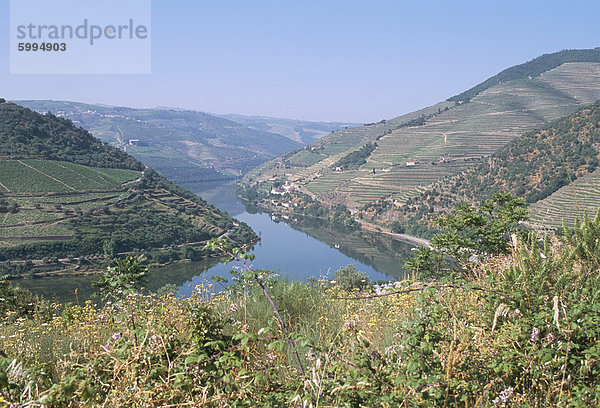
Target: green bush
<point>348,278</point>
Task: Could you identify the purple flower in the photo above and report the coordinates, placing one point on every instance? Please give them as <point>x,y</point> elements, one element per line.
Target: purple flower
<point>535,334</point>
<point>504,397</point>
<point>116,336</point>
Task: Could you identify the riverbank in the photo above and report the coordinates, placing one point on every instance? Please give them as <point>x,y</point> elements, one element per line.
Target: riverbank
<point>383,230</point>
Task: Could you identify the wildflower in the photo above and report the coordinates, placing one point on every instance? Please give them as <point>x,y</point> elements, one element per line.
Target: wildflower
<point>310,356</point>
<point>535,334</point>
<point>348,325</point>
<point>155,341</point>
<point>504,397</point>
<point>550,337</point>
<point>116,336</point>
<point>233,308</point>
<point>517,312</point>
<point>271,356</point>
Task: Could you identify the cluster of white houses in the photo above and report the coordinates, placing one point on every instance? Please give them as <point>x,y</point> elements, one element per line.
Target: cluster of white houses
<point>283,190</point>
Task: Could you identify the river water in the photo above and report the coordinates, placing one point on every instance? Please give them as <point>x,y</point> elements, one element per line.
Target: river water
<point>295,252</point>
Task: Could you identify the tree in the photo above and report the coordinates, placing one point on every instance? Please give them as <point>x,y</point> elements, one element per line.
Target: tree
<point>125,276</point>
<point>480,231</point>
<point>426,262</point>
<point>348,278</point>
<point>397,227</point>
<point>469,231</point>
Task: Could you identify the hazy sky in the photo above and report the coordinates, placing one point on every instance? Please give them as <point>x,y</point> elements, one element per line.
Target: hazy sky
<point>358,61</point>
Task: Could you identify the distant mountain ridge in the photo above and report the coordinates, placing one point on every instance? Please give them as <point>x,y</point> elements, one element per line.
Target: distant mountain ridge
<point>302,131</point>
<point>183,145</point>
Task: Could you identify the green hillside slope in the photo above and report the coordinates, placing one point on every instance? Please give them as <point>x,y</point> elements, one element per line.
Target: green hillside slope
<point>66,195</point>
<point>54,138</point>
<point>421,148</point>
<point>185,146</point>
<point>567,203</point>
<point>554,168</point>
<point>533,68</point>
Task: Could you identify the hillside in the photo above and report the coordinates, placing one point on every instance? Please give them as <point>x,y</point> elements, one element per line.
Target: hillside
<point>66,195</point>
<point>567,203</point>
<point>182,145</point>
<point>553,168</point>
<point>421,148</point>
<point>533,68</point>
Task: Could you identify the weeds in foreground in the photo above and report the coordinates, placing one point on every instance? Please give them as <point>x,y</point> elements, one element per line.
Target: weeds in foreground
<point>522,330</point>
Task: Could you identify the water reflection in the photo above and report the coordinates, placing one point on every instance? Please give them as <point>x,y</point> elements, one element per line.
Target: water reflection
<point>304,249</point>
<point>293,253</point>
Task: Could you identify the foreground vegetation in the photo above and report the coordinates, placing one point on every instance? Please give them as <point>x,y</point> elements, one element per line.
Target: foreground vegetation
<point>516,323</point>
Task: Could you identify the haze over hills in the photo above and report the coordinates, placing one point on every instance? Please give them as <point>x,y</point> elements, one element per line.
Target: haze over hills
<point>189,146</point>
<point>301,131</point>
<point>415,150</point>
<point>66,194</point>
<point>182,145</point>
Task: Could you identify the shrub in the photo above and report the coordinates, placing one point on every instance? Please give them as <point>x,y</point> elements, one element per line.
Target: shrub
<point>348,278</point>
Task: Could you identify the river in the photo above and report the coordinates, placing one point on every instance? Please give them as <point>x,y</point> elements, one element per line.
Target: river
<point>296,252</point>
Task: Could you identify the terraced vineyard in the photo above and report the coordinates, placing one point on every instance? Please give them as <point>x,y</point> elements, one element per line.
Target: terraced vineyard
<point>46,217</point>
<point>335,146</point>
<point>67,197</point>
<point>442,140</point>
<point>567,203</point>
<point>52,202</point>
<point>50,193</point>
<point>397,180</point>
<point>38,176</point>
